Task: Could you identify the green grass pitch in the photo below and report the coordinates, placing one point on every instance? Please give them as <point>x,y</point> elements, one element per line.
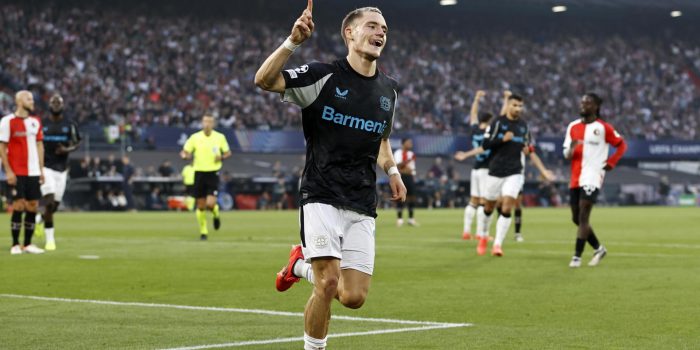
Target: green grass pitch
<point>644,295</point>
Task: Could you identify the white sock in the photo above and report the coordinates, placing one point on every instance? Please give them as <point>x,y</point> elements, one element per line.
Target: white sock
<point>38,218</point>
<point>49,234</point>
<point>481,222</point>
<point>488,224</point>
<point>303,269</point>
<point>311,343</point>
<point>469,212</point>
<point>502,226</point>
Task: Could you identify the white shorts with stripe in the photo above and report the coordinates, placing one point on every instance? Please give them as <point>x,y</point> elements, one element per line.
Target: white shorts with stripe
<point>327,231</point>
<point>477,187</point>
<point>54,183</point>
<point>508,186</point>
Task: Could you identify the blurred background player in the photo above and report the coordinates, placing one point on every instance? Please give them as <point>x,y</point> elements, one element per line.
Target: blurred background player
<point>208,148</point>
<point>508,136</point>
<point>478,124</point>
<point>61,137</point>
<point>22,154</point>
<point>188,180</point>
<point>405,160</point>
<point>586,144</point>
<point>338,187</point>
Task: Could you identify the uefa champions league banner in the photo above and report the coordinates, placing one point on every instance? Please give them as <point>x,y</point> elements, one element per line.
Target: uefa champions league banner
<point>171,138</point>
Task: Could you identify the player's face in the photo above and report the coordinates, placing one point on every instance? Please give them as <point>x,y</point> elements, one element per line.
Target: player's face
<point>408,144</point>
<point>369,34</point>
<point>207,124</point>
<point>515,108</point>
<point>587,106</point>
<point>26,101</point>
<point>56,104</point>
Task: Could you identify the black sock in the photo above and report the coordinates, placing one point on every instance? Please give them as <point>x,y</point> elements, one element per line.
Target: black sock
<point>48,224</point>
<point>580,244</point>
<point>410,210</point>
<point>593,240</point>
<point>518,219</point>
<point>499,211</point>
<point>399,214</point>
<point>29,222</point>
<point>16,226</point>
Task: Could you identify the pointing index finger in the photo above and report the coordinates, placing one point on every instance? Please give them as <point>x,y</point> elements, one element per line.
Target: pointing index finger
<point>310,5</point>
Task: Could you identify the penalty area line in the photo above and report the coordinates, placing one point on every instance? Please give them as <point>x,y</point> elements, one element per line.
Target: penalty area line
<point>234,310</point>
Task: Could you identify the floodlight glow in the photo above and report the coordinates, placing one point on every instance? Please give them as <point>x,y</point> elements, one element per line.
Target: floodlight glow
<point>676,13</point>
<point>448,2</point>
<point>559,9</point>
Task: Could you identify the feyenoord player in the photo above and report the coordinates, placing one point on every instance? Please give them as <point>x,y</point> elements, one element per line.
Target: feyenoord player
<point>347,113</point>
<point>586,144</point>
<point>405,160</point>
<point>22,154</point>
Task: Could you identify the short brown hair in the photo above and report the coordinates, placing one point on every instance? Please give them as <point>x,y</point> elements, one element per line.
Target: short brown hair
<point>352,16</point>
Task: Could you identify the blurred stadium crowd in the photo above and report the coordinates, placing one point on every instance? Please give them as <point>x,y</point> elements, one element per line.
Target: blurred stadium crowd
<point>114,68</point>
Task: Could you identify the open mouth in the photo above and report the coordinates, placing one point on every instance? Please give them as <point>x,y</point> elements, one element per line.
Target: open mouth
<point>376,42</point>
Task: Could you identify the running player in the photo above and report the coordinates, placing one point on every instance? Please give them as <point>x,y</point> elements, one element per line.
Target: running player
<point>209,148</point>
<point>22,153</point>
<point>478,124</point>
<point>347,113</point>
<point>405,160</point>
<point>586,144</point>
<point>508,136</point>
<point>61,137</point>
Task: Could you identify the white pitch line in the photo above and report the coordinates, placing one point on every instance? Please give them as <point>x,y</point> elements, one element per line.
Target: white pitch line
<point>226,309</point>
<point>338,335</point>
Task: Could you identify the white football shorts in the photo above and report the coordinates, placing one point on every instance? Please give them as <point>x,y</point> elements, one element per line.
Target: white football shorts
<point>508,186</point>
<point>477,187</point>
<point>327,231</point>
<point>54,183</point>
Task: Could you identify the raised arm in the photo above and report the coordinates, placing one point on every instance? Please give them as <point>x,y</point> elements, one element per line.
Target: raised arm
<point>269,75</point>
<point>474,115</point>
<point>506,96</point>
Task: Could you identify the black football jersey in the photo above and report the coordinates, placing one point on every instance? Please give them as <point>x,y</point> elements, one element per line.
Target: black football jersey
<point>345,116</point>
<point>63,132</point>
<point>481,161</point>
<point>505,157</point>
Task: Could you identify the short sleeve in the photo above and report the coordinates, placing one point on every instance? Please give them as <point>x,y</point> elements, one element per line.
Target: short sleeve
<point>189,145</point>
<point>5,129</point>
<point>303,84</point>
<point>75,133</point>
<point>224,144</point>
<point>40,132</point>
<point>612,136</point>
<point>390,126</point>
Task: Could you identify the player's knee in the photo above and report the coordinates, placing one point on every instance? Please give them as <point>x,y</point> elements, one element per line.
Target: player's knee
<point>327,287</point>
<point>353,299</point>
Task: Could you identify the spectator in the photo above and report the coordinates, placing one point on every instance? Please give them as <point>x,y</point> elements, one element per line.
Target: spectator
<point>166,169</point>
<point>155,200</point>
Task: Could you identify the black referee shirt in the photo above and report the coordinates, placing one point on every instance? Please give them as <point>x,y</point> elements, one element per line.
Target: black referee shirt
<point>345,116</point>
